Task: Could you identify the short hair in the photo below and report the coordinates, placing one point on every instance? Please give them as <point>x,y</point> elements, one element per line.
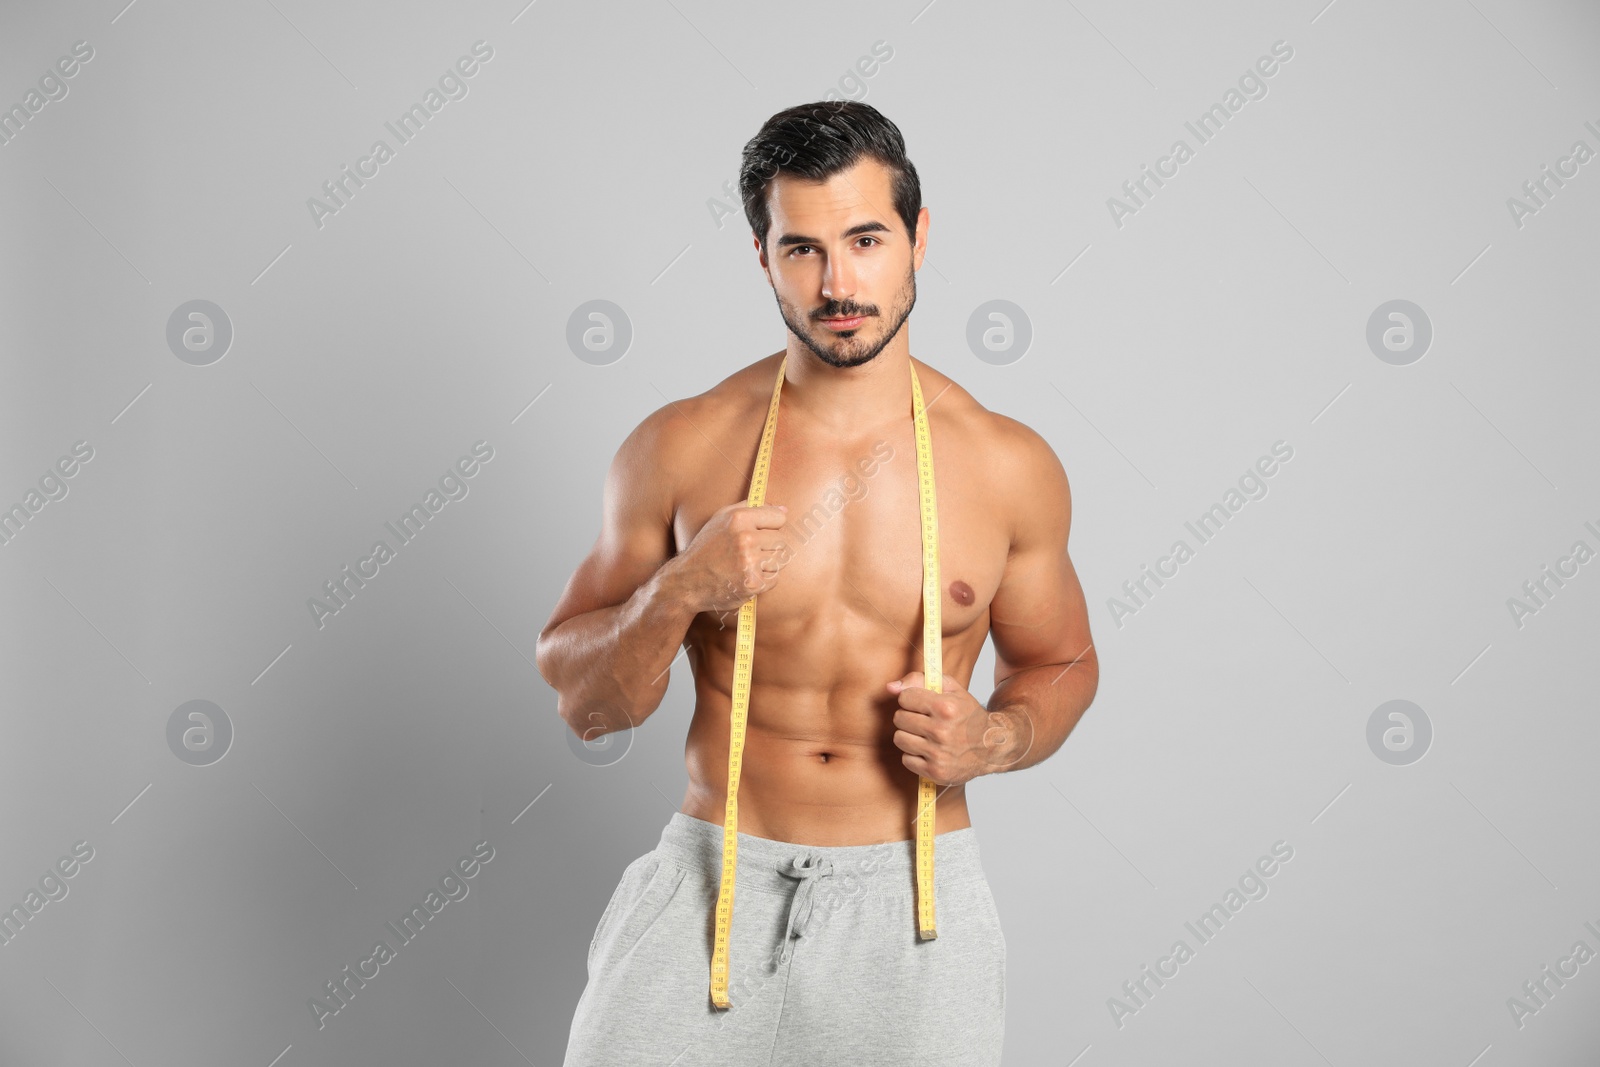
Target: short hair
<point>815,141</point>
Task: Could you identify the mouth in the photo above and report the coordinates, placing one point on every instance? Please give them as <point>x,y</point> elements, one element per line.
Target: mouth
<point>844,324</point>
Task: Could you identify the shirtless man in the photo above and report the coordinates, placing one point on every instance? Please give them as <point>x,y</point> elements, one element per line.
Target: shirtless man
<point>839,725</point>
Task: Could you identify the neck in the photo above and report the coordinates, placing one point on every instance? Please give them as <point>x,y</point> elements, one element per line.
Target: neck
<point>849,399</point>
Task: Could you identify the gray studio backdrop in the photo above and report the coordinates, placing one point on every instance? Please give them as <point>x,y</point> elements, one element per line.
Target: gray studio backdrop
<point>1339,345</point>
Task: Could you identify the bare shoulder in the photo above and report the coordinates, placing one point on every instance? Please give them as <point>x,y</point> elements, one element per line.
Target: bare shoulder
<point>997,438</point>
<point>683,436</point>
<point>697,422</point>
<point>1018,464</point>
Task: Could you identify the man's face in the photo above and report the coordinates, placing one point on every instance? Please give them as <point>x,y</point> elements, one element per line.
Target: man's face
<point>842,267</point>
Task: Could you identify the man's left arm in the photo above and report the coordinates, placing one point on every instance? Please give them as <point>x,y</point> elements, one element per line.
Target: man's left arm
<point>1046,670</point>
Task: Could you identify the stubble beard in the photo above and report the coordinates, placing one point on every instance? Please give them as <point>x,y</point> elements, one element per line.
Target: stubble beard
<point>849,349</point>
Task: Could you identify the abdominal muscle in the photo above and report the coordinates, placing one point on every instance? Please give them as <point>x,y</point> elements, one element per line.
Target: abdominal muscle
<point>820,767</point>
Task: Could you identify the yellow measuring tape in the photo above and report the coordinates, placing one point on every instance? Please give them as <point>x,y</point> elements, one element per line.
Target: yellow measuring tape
<point>744,653</point>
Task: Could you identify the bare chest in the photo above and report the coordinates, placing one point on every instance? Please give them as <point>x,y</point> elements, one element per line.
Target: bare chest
<point>852,566</point>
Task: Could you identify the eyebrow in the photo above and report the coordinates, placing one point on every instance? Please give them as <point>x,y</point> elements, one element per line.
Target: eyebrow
<point>860,228</point>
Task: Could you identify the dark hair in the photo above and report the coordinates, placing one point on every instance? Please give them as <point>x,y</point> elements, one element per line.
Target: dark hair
<point>816,141</point>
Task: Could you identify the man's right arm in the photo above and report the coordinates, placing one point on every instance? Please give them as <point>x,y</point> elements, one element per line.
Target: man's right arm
<point>611,640</point>
<point>612,637</point>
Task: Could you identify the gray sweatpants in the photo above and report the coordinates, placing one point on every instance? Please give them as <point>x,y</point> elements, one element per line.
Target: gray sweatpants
<point>825,962</point>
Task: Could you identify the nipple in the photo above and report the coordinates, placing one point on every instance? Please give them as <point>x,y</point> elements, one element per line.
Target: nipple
<point>961,592</point>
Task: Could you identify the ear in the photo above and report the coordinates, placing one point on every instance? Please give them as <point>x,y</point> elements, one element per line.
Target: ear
<point>920,244</point>
<point>761,257</point>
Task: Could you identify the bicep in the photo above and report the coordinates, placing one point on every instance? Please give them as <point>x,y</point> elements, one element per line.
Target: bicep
<point>635,529</point>
<point>1038,615</point>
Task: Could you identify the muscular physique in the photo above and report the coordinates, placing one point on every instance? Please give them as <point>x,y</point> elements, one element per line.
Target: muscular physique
<point>833,748</point>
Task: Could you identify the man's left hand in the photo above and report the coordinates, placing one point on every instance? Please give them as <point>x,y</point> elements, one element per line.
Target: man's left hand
<point>948,736</point>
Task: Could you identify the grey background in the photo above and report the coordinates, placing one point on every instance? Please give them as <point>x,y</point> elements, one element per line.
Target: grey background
<point>369,354</point>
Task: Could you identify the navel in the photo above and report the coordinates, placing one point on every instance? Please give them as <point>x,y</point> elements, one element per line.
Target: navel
<point>961,592</point>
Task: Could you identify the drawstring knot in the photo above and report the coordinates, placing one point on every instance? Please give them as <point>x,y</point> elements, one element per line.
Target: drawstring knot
<point>807,870</point>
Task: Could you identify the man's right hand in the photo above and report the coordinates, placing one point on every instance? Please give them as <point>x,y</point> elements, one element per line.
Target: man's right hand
<point>736,555</point>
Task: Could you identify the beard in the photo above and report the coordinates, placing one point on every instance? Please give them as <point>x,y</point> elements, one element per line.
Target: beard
<point>850,348</point>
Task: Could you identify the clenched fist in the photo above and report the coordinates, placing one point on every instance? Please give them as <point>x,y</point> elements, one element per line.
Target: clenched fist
<point>950,738</point>
<point>736,555</point>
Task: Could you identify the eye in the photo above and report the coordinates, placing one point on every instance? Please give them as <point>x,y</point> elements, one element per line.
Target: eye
<point>874,240</point>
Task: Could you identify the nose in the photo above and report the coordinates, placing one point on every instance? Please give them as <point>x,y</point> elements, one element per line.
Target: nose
<point>839,278</point>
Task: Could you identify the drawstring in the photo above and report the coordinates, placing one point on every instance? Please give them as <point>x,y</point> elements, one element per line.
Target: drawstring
<point>806,869</point>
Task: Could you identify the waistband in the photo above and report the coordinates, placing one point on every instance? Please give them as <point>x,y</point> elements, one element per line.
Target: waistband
<point>765,863</point>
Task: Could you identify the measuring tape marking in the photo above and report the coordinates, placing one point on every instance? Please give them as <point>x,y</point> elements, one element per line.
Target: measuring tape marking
<point>744,655</point>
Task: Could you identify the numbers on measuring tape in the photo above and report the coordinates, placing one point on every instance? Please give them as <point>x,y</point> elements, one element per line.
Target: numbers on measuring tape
<point>744,654</point>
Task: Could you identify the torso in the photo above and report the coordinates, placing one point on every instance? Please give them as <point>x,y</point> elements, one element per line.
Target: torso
<point>845,618</point>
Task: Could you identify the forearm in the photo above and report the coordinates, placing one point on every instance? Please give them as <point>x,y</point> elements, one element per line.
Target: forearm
<point>1034,710</point>
<point>610,666</point>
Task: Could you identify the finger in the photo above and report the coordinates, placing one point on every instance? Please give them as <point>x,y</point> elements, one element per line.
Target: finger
<point>913,722</point>
<point>769,516</point>
<point>912,680</point>
<point>918,701</point>
<point>912,744</point>
<point>750,582</point>
<point>916,765</point>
